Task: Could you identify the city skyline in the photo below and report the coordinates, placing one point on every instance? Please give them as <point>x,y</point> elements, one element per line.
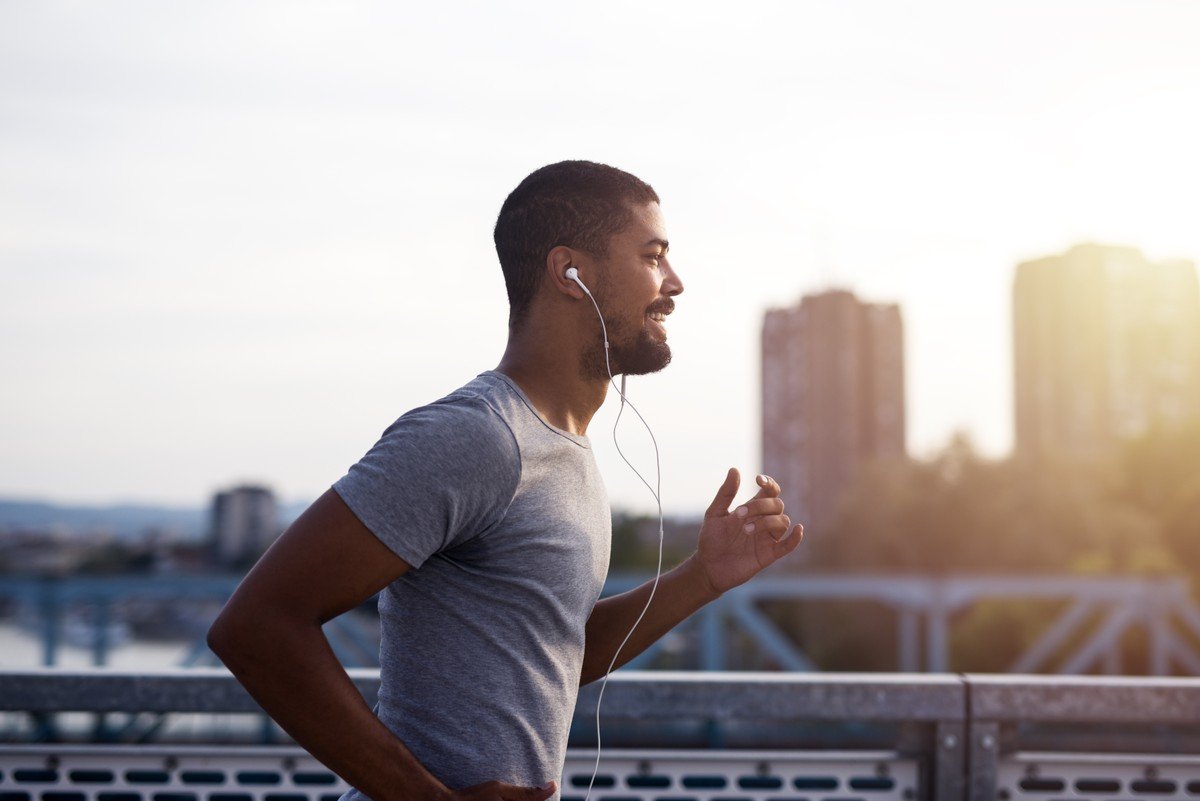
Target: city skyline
<point>1061,291</point>
<point>238,252</point>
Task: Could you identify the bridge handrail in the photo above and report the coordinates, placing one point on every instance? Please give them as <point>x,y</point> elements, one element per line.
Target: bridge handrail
<point>651,695</point>
<point>963,730</point>
<point>631,695</point>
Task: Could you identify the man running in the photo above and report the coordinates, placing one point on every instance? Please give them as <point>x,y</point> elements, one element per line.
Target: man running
<point>482,521</point>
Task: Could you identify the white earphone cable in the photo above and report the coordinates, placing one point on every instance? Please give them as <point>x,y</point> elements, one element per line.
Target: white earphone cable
<point>657,493</point>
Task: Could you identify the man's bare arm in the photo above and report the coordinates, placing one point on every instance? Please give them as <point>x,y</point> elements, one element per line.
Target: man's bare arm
<point>269,635</point>
<point>727,555</point>
<point>680,592</point>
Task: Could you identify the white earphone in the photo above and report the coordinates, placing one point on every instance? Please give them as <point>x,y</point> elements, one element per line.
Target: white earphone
<point>573,275</point>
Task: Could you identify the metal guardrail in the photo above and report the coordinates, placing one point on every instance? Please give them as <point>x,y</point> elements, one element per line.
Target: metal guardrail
<point>1087,618</point>
<point>911,736</point>
<point>1041,737</point>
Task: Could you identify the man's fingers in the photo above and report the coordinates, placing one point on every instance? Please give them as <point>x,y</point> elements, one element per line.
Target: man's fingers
<point>503,791</point>
<point>725,494</point>
<point>786,546</point>
<point>774,526</point>
<point>540,793</point>
<point>513,793</point>
<point>768,487</point>
<point>758,507</point>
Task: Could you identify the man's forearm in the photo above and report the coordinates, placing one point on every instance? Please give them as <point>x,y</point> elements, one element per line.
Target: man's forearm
<point>680,592</point>
<point>293,674</point>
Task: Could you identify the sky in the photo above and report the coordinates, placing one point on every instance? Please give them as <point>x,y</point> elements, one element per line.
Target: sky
<point>237,240</point>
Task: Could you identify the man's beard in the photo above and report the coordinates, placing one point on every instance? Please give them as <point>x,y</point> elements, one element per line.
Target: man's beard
<point>636,355</point>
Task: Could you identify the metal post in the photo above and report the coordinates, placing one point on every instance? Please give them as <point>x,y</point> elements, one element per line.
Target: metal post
<point>937,654</point>
<point>1155,619</point>
<point>51,612</point>
<point>949,762</point>
<point>267,729</point>
<point>100,633</point>
<point>909,638</point>
<point>983,760</point>
<point>712,638</point>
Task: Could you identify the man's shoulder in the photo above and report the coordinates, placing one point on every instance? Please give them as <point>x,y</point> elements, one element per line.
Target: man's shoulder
<point>438,475</point>
<point>469,417</point>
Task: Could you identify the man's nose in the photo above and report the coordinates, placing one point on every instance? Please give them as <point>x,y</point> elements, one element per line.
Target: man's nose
<point>671,284</point>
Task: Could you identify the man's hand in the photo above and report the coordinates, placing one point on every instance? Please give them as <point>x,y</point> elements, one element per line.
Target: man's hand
<point>499,791</point>
<point>728,555</point>
<point>735,546</point>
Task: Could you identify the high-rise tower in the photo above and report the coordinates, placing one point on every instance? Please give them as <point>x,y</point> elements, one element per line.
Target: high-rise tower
<point>1105,342</point>
<point>245,521</point>
<point>832,395</point>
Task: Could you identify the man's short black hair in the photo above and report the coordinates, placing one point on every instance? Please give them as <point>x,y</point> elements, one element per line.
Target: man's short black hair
<point>579,204</point>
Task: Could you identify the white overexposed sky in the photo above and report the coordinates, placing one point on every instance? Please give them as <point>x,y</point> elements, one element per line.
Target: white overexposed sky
<point>238,239</point>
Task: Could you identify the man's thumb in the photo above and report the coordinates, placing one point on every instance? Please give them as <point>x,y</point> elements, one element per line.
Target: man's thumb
<point>725,494</point>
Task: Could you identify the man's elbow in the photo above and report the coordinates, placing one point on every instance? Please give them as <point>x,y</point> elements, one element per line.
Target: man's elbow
<point>222,638</point>
<point>235,634</point>
<point>252,634</point>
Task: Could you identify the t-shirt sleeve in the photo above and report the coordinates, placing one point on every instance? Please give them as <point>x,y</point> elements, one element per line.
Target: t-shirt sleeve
<point>437,477</point>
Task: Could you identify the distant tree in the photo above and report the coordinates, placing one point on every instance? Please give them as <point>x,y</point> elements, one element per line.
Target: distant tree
<point>1158,474</point>
<point>627,548</point>
<point>114,558</point>
<point>960,512</point>
<point>1181,525</point>
<point>635,542</point>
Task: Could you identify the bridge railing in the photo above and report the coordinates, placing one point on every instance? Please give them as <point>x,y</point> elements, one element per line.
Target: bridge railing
<point>701,736</point>
<point>1088,620</point>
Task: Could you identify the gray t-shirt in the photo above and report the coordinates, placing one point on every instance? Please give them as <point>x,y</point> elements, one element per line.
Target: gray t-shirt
<point>505,521</point>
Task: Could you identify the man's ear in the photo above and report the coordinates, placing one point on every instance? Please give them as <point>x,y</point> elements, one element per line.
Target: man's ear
<point>557,261</point>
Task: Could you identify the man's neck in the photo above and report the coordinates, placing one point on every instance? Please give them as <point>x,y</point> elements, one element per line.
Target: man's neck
<point>547,370</point>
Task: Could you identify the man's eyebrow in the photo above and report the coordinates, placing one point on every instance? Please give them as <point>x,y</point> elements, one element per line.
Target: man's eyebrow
<point>662,243</point>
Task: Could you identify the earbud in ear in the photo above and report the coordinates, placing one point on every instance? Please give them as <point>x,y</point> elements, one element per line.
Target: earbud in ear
<point>572,274</point>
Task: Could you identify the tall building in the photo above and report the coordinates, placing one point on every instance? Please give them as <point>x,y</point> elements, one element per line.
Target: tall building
<point>245,521</point>
<point>1105,343</point>
<point>832,397</point>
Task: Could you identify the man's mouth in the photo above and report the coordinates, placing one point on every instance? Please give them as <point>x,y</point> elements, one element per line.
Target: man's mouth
<point>659,314</point>
<point>659,318</point>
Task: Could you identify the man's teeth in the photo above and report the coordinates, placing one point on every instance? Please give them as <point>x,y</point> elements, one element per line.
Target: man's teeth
<point>657,316</point>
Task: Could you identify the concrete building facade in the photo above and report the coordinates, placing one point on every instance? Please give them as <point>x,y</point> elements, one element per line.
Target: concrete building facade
<point>1105,343</point>
<point>832,397</point>
<point>245,521</point>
